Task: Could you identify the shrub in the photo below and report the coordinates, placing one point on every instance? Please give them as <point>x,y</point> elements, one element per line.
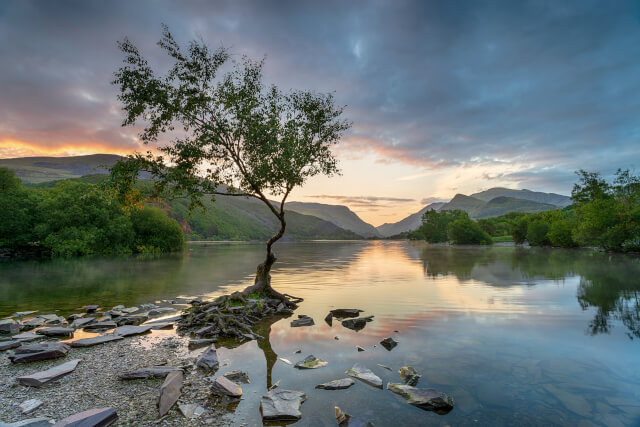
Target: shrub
<point>153,228</point>
<point>537,233</point>
<point>465,231</point>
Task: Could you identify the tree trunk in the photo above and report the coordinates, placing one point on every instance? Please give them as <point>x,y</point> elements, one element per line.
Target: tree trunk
<point>262,283</point>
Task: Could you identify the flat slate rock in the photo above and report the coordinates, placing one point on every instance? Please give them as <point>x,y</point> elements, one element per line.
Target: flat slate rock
<point>201,343</point>
<point>162,310</point>
<point>41,351</point>
<point>346,312</point>
<point>191,410</point>
<point>170,392</point>
<point>100,417</point>
<point>346,420</point>
<point>41,378</point>
<point>91,308</point>
<point>9,326</point>
<point>26,336</point>
<point>340,384</point>
<point>28,406</point>
<point>357,324</point>
<point>224,385</point>
<point>389,343</point>
<point>164,319</point>
<point>409,375</point>
<point>107,324</point>
<point>31,422</point>
<point>8,345</point>
<point>24,313</point>
<point>160,325</point>
<point>149,372</point>
<point>130,330</point>
<point>209,359</point>
<point>311,362</point>
<point>424,398</point>
<point>282,405</point>
<point>101,339</point>
<point>55,332</point>
<point>304,321</point>
<point>34,323</point>
<point>134,319</point>
<point>82,322</point>
<point>129,310</point>
<point>365,375</point>
<point>237,377</point>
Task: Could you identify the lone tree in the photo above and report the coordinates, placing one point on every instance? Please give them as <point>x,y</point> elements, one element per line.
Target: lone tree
<point>237,136</point>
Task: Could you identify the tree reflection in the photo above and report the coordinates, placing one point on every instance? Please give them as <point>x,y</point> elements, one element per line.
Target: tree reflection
<point>608,282</point>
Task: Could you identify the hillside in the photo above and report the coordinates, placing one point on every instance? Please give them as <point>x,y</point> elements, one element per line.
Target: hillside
<point>409,223</point>
<point>43,169</point>
<point>464,203</point>
<point>535,196</point>
<point>502,205</point>
<point>339,215</point>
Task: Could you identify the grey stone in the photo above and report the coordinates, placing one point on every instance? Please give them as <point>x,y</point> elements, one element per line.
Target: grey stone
<point>100,417</point>
<point>147,306</point>
<point>134,319</point>
<point>365,375</point>
<point>41,378</point>
<point>115,313</point>
<point>26,337</point>
<point>357,324</point>
<point>384,366</point>
<point>237,377</point>
<point>72,317</point>
<point>101,339</point>
<point>129,310</point>
<point>209,359</point>
<point>7,345</point>
<point>149,372</point>
<point>359,348</point>
<point>164,319</point>
<point>304,321</point>
<point>36,352</point>
<point>424,398</point>
<point>160,325</point>
<point>346,420</point>
<point>170,392</point>
<point>191,410</point>
<point>201,343</point>
<point>311,362</point>
<point>389,343</point>
<point>346,312</point>
<point>329,319</point>
<point>340,384</point>
<point>28,406</point>
<point>206,331</point>
<point>9,326</point>
<point>55,332</point>
<point>162,310</point>
<point>409,375</point>
<point>24,313</point>
<point>31,422</point>
<point>282,405</point>
<point>82,322</point>
<point>108,324</point>
<point>130,330</point>
<point>91,308</point>
<point>33,323</point>
<point>223,385</point>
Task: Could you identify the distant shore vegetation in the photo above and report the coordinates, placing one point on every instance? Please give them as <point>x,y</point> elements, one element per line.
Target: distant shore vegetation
<point>76,218</point>
<point>603,214</point>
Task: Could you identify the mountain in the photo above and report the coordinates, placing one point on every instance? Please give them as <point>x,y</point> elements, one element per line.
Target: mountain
<point>503,205</point>
<point>464,203</point>
<point>341,216</point>
<point>42,169</point>
<point>410,223</point>
<point>535,196</point>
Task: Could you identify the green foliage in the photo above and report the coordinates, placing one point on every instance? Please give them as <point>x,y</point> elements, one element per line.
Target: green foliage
<point>518,229</point>
<point>560,233</point>
<point>465,231</point>
<point>537,233</point>
<point>17,212</point>
<point>153,228</point>
<point>434,228</point>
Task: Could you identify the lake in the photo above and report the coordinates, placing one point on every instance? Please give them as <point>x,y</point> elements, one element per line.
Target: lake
<point>517,336</point>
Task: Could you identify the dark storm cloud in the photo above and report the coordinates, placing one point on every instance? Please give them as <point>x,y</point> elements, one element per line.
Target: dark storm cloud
<point>551,86</point>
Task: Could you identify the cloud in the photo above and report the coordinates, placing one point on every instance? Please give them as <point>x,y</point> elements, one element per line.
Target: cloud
<point>429,200</point>
<point>359,202</point>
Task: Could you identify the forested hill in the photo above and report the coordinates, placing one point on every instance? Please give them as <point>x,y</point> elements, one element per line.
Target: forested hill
<point>534,196</point>
<point>44,169</point>
<point>340,215</point>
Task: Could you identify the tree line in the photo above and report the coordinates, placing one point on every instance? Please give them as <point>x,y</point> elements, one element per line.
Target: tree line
<point>603,214</point>
<point>75,218</point>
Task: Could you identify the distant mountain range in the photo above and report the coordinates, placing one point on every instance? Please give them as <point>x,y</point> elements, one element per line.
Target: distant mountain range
<point>237,218</point>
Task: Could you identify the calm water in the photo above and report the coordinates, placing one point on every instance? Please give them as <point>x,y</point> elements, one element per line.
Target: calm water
<point>516,336</point>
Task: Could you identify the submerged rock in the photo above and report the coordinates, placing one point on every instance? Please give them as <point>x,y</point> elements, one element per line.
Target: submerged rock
<point>36,352</point>
<point>55,332</point>
<point>346,420</point>
<point>100,417</point>
<point>346,312</point>
<point>311,362</point>
<point>409,375</point>
<point>201,343</point>
<point>329,319</point>
<point>223,385</point>
<point>282,405</point>
<point>389,343</point>
<point>303,321</point>
<point>41,378</point>
<point>209,359</point>
<point>359,348</point>
<point>365,375</point>
<point>357,324</point>
<point>149,372</point>
<point>130,330</point>
<point>28,406</point>
<point>170,392</point>
<point>424,398</point>
<point>340,384</point>
<point>237,377</point>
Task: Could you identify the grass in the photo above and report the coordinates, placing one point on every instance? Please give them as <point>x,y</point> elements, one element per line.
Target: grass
<point>499,239</point>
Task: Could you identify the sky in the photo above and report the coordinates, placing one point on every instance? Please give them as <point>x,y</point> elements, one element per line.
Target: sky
<point>445,97</point>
